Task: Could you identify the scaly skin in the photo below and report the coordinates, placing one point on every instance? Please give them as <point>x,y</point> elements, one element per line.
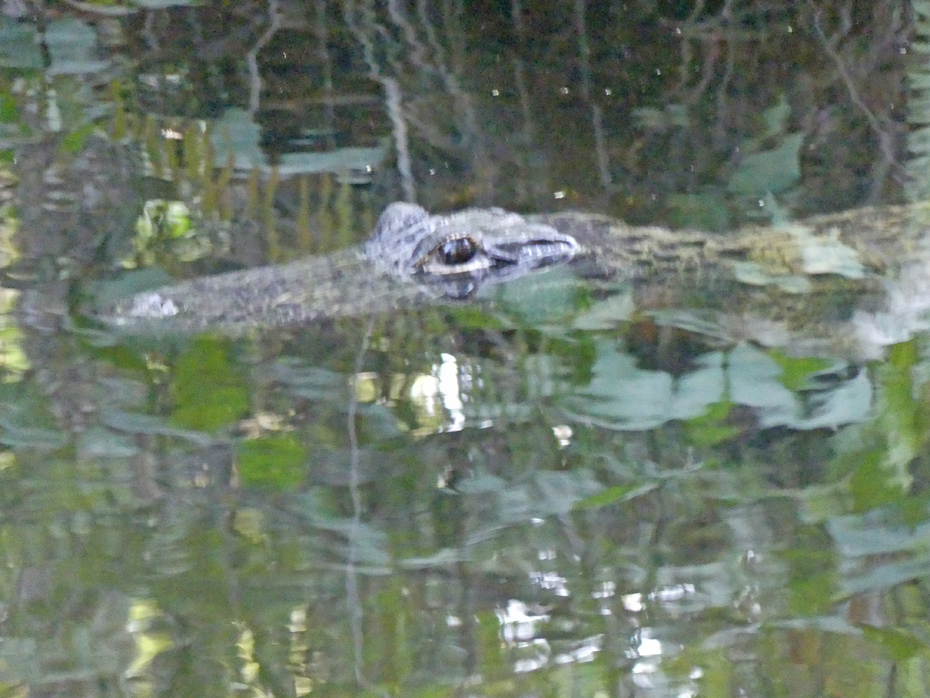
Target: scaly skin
<point>412,259</point>
<point>870,240</point>
<point>812,272</point>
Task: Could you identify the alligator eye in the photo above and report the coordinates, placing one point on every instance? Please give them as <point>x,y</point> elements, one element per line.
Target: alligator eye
<point>457,251</point>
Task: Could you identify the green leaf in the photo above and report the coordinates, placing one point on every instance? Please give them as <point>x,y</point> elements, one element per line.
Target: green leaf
<point>873,485</point>
<point>148,424</point>
<point>26,423</point>
<point>472,316</point>
<point>770,171</point>
<point>707,429</point>
<point>276,462</point>
<point>898,643</point>
<point>776,118</point>
<point>812,594</point>
<point>209,392</point>
<point>711,435</point>
<point>904,355</point>
<point>796,370</point>
<point>9,112</point>
<point>19,45</point>
<point>74,141</point>
<point>538,299</point>
<point>610,495</point>
<point>219,406</point>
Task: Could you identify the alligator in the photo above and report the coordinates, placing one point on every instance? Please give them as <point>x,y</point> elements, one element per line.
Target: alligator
<point>831,267</point>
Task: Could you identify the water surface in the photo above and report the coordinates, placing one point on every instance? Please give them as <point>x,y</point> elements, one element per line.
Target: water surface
<point>486,499</point>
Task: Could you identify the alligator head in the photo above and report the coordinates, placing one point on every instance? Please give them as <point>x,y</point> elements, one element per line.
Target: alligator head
<point>454,255</point>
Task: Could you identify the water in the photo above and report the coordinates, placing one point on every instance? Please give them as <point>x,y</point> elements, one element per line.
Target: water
<point>548,494</point>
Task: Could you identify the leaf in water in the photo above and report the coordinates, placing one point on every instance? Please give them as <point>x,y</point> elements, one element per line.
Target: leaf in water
<point>441,559</point>
<point>25,437</point>
<point>102,443</point>
<point>72,45</point>
<point>560,492</point>
<point>715,664</point>
<point>623,396</point>
<point>872,485</point>
<point>901,412</point>
<point>219,406</point>
<point>25,423</point>
<point>236,135</point>
<point>479,482</point>
<point>611,495</point>
<point>162,4</point>
<point>882,532</point>
<point>369,544</point>
<point>885,576</point>
<point>695,321</point>
<point>147,424</point>
<point>904,355</point>
<point>813,594</point>
<point>707,430</point>
<point>577,354</point>
<point>542,376</point>
<point>353,165</point>
<point>822,503</point>
<point>112,348</point>
<point>209,393</point>
<point>606,314</point>
<point>776,118</point>
<point>770,171</point>
<point>540,298</point>
<point>12,357</point>
<point>379,421</point>
<point>311,382</point>
<point>74,141</point>
<point>19,662</point>
<point>277,462</point>
<point>9,112</point>
<point>672,116</point>
<point>472,316</point>
<point>897,642</point>
<point>755,381</point>
<point>119,390</point>
<point>795,370</point>
<point>19,45</point>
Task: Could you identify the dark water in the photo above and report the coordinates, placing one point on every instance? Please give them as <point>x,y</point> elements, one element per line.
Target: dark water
<point>465,501</point>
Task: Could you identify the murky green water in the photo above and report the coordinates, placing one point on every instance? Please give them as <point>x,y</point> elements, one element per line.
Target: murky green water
<point>546,493</point>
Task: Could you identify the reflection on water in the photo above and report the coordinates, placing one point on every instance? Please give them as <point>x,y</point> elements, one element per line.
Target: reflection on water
<point>551,492</point>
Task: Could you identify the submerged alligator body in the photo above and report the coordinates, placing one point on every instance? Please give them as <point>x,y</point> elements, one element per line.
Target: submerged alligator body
<point>415,259</point>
